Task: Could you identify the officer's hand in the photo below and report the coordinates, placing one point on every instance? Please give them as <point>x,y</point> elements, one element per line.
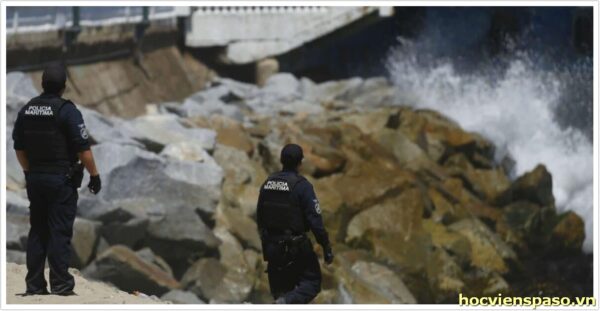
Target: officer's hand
<point>95,184</point>
<point>328,255</point>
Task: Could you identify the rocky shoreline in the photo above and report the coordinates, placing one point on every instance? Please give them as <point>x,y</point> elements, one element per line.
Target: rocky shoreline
<point>418,209</point>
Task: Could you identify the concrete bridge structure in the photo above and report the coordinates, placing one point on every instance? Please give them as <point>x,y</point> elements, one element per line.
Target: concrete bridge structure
<point>245,34</point>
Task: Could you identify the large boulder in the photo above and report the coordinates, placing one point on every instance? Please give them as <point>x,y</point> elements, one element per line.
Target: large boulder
<point>330,90</point>
<point>243,178</point>
<point>195,185</point>
<point>180,237</point>
<point>408,154</point>
<point>441,137</point>
<point>156,131</point>
<point>448,240</point>
<point>207,103</point>
<point>568,233</point>
<point>17,257</point>
<point>211,280</point>
<point>534,186</point>
<point>520,224</point>
<point>401,214</point>
<point>128,271</point>
<point>15,178</point>
<point>85,238</point>
<point>241,226</point>
<point>19,90</point>
<point>102,128</point>
<point>17,230</point>
<point>128,233</point>
<point>231,133</point>
<point>488,251</point>
<point>444,276</point>
<point>16,202</point>
<point>487,184</point>
<point>148,255</point>
<point>185,151</point>
<point>111,155</point>
<point>178,296</point>
<point>363,281</point>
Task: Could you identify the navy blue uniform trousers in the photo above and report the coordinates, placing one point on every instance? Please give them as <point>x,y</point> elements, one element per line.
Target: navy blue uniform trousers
<point>53,205</point>
<point>299,282</point>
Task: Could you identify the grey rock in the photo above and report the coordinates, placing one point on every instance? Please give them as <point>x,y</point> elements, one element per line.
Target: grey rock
<point>169,183</point>
<point>156,131</point>
<point>17,257</point>
<point>102,128</point>
<point>19,90</point>
<point>111,155</point>
<point>15,178</point>
<point>211,280</point>
<point>241,226</point>
<point>16,202</point>
<point>17,230</point>
<point>148,255</point>
<point>128,233</point>
<point>383,280</point>
<point>181,297</point>
<point>328,91</point>
<point>184,151</point>
<point>193,107</point>
<point>282,86</point>
<point>279,88</point>
<point>128,271</point>
<point>101,246</point>
<point>239,89</point>
<point>181,236</point>
<point>85,238</point>
<point>301,106</point>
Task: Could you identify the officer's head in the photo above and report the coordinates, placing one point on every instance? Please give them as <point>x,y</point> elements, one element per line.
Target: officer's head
<point>291,156</point>
<point>54,79</point>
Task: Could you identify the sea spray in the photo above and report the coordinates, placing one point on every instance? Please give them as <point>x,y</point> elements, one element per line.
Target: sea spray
<point>518,106</point>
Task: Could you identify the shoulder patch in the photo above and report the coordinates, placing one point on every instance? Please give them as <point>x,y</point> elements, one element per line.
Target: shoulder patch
<point>317,206</point>
<point>83,131</point>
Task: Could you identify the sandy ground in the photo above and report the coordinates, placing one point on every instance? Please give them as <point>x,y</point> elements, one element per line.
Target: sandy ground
<point>88,292</point>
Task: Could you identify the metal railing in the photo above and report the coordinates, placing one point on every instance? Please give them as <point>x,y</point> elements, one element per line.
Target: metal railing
<point>40,19</point>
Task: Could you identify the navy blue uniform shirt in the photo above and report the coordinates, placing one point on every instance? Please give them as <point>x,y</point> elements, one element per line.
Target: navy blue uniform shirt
<point>304,193</point>
<point>71,120</point>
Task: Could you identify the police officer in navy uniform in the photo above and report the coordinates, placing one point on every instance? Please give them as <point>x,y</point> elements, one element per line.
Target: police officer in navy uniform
<point>50,139</point>
<point>287,208</point>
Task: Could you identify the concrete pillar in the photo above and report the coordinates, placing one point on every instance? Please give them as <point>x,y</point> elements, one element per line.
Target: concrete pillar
<point>264,69</point>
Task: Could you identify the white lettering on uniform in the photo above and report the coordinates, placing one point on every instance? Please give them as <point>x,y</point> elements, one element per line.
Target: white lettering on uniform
<point>39,111</point>
<point>276,185</point>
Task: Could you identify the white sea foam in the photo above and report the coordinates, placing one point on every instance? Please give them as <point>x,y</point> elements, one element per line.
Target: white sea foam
<point>514,108</point>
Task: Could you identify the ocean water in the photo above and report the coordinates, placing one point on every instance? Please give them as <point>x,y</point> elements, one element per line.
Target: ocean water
<point>534,102</point>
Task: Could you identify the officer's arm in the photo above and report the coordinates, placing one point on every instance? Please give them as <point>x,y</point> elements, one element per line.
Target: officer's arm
<point>18,144</point>
<point>312,214</point>
<point>22,157</point>
<point>78,135</point>
<point>259,223</point>
<point>87,159</point>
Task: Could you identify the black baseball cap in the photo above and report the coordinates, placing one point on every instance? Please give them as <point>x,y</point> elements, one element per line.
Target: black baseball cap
<point>54,78</point>
<point>291,155</point>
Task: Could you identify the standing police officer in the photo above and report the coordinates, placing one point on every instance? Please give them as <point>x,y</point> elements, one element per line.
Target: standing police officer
<point>49,139</point>
<point>287,208</point>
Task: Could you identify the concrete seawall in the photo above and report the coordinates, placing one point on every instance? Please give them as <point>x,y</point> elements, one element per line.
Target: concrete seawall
<point>111,72</point>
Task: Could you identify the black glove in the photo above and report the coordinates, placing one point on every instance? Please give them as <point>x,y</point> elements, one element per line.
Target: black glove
<point>95,184</point>
<point>328,255</point>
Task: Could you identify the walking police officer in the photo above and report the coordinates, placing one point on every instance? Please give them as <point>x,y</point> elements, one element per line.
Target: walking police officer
<point>287,208</point>
<point>50,138</point>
